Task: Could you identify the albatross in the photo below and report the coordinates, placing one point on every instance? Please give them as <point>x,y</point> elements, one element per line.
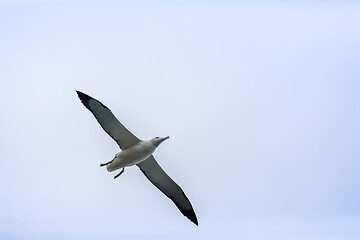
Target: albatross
<point>139,152</point>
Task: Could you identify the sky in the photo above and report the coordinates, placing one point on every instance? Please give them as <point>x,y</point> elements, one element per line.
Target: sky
<point>260,100</point>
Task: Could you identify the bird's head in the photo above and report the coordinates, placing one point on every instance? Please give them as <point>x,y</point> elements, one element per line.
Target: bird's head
<point>157,140</point>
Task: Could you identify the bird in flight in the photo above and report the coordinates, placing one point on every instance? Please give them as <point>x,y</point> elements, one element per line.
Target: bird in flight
<point>139,152</point>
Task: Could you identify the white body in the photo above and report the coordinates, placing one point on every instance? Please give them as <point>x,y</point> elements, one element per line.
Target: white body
<point>132,155</point>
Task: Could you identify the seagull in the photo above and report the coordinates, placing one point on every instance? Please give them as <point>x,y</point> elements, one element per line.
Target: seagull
<point>139,152</point>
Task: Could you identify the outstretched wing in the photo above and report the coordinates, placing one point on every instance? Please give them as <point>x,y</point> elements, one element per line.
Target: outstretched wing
<point>108,121</point>
<point>164,183</point>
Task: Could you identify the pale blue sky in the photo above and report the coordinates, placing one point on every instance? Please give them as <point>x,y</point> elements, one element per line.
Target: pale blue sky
<point>261,101</point>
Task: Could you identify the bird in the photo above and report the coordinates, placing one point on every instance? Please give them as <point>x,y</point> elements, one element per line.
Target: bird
<point>135,151</point>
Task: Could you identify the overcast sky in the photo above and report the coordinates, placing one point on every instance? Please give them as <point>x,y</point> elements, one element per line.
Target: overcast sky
<point>261,101</point>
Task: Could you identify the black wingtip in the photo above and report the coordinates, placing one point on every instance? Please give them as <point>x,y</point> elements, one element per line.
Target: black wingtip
<point>195,220</point>
<point>190,214</point>
<point>83,97</point>
<point>192,217</point>
<point>86,98</point>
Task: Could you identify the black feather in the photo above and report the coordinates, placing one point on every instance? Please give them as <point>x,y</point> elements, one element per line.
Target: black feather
<point>86,98</point>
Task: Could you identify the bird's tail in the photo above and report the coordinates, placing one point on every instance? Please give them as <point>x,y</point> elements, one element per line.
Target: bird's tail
<point>108,165</point>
